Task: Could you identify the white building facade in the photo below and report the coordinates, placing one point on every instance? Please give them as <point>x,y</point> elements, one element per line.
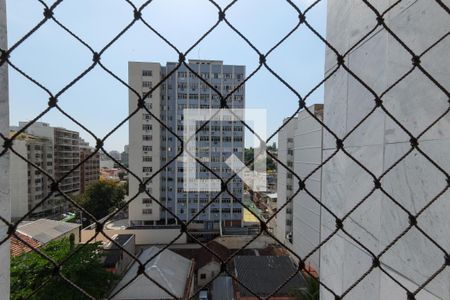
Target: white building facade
<point>379,60</point>
<point>300,148</point>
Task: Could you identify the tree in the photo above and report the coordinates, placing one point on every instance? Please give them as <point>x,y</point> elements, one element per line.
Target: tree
<point>102,197</point>
<point>30,270</point>
<point>248,159</point>
<point>311,292</point>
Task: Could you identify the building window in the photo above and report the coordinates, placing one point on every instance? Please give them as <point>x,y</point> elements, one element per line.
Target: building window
<point>202,276</point>
<point>147,84</point>
<point>147,137</point>
<point>146,148</point>
<point>147,73</point>
<point>147,211</point>
<point>147,158</point>
<point>147,169</point>
<point>146,201</point>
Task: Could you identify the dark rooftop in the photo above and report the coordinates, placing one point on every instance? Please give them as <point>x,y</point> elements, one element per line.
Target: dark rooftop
<point>112,252</point>
<point>264,274</point>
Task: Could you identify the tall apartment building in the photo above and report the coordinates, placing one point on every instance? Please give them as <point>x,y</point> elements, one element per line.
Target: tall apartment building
<point>300,148</point>
<point>55,149</point>
<point>90,170</point>
<point>152,145</point>
<point>28,185</point>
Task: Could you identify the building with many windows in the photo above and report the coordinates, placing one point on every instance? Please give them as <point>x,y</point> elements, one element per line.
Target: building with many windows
<point>57,151</point>
<point>300,148</point>
<point>153,145</point>
<point>90,170</point>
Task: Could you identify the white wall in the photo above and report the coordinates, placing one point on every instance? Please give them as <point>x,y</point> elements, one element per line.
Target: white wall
<point>18,179</point>
<point>378,143</point>
<point>282,181</point>
<point>306,211</point>
<point>4,161</point>
<point>135,79</point>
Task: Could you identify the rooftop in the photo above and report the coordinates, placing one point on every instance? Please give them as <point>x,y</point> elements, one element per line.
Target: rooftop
<point>18,247</point>
<point>265,274</point>
<point>45,230</point>
<point>168,269</point>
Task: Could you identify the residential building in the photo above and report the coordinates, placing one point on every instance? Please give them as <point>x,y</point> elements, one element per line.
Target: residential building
<point>90,170</point>
<point>66,153</point>
<point>117,260</point>
<point>263,275</point>
<point>167,268</point>
<point>29,186</point>
<point>58,151</point>
<point>152,145</point>
<point>410,181</point>
<point>301,150</point>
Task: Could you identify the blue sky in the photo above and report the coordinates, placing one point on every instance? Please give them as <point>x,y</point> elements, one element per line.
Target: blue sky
<point>99,102</point>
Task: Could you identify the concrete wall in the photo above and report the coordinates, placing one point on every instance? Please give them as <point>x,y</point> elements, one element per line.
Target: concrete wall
<point>306,211</point>
<point>143,236</point>
<point>4,161</point>
<point>283,229</point>
<point>378,143</point>
<point>18,179</point>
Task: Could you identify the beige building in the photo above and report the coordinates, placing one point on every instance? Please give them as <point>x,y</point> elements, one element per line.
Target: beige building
<point>57,151</point>
<point>28,185</point>
<point>90,170</point>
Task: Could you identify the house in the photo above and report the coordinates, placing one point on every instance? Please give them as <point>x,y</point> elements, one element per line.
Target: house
<point>263,275</point>
<point>116,259</point>
<point>207,265</point>
<point>46,230</point>
<point>166,268</point>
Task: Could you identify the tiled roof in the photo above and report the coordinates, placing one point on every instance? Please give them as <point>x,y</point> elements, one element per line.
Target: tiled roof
<point>18,247</point>
<point>264,274</point>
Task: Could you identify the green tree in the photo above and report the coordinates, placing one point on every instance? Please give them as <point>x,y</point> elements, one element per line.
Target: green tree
<point>248,157</point>
<point>311,292</point>
<point>30,270</point>
<point>102,197</point>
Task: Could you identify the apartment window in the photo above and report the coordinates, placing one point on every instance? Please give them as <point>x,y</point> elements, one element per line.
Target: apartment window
<point>204,75</point>
<point>147,137</point>
<point>146,148</point>
<point>146,201</point>
<point>147,84</point>
<point>147,158</point>
<point>228,75</point>
<point>147,169</point>
<point>193,96</point>
<point>147,73</point>
<point>146,117</point>
<point>239,76</point>
<point>145,96</point>
<point>237,210</point>
<point>147,127</point>
<point>182,74</point>
<point>147,211</point>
